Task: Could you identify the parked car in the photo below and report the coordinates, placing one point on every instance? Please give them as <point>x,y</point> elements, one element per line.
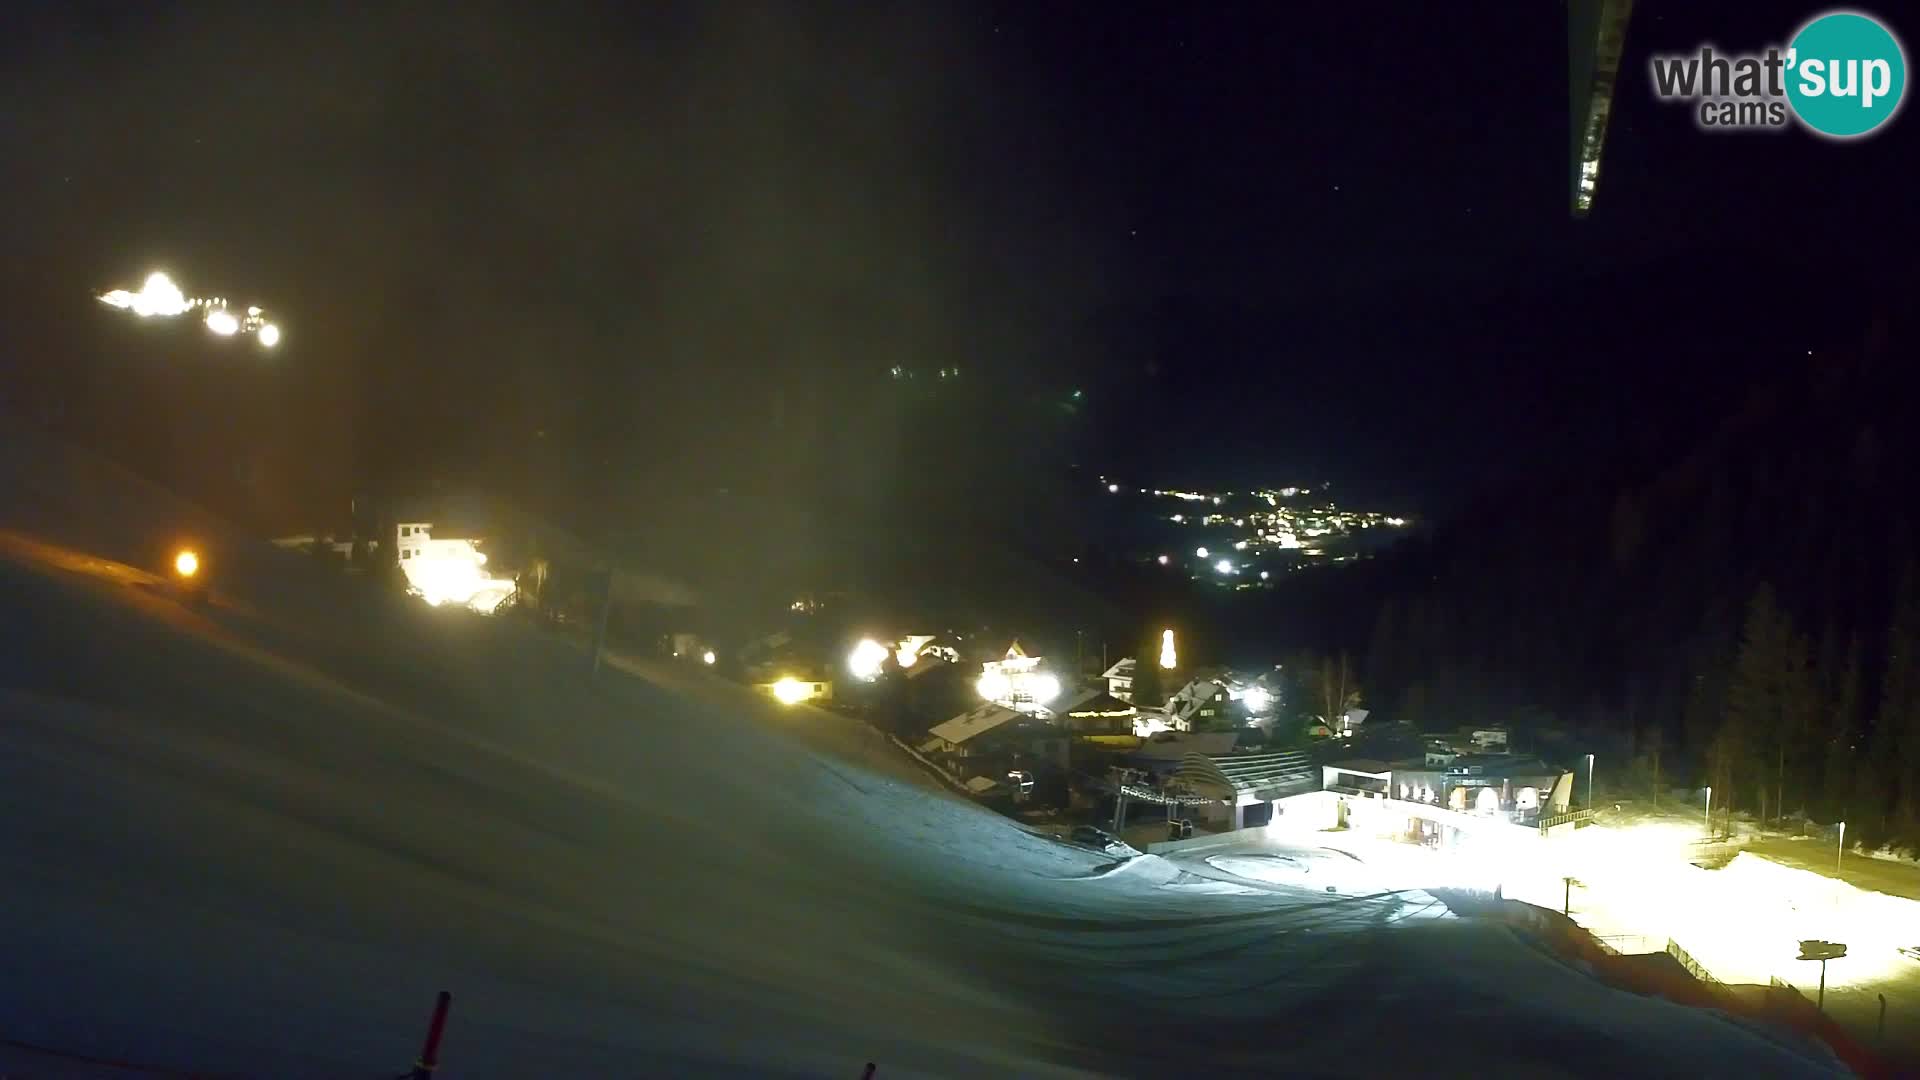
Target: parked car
<point>1095,838</point>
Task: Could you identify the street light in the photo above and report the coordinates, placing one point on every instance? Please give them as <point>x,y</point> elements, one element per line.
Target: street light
<point>1589,781</point>
<point>1709,811</point>
<point>1842,852</point>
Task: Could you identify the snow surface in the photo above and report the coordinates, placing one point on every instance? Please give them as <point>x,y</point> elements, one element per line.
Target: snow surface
<point>254,839</point>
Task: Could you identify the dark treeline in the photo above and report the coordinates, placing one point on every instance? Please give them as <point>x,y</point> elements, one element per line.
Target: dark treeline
<point>1746,610</point>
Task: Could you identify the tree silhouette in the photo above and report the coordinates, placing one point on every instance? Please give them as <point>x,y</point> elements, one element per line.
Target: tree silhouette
<point>1149,679</point>
<point>1770,701</point>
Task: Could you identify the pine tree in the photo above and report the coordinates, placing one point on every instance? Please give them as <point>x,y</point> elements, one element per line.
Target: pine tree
<point>1899,715</point>
<point>1840,782</point>
<point>1770,703</point>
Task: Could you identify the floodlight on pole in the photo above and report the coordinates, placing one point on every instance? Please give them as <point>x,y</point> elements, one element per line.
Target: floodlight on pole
<point>1841,854</point>
<point>1168,658</point>
<point>994,686</point>
<point>866,659</point>
<point>1709,811</point>
<point>1043,688</point>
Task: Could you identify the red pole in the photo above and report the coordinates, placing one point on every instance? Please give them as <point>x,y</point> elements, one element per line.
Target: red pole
<point>430,1050</point>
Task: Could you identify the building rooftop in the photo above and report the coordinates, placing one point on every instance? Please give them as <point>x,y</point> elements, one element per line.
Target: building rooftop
<point>1362,765</point>
<point>1500,765</point>
<point>973,724</point>
<point>1188,699</point>
<point>1230,775</point>
<point>1095,701</point>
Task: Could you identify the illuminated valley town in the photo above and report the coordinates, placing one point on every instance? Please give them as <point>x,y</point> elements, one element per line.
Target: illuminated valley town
<point>1241,539</point>
<point>957,540</point>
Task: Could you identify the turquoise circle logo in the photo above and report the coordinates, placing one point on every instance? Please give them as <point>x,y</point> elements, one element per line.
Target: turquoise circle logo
<point>1846,74</point>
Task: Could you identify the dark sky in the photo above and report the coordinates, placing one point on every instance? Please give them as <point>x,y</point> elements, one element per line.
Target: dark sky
<point>688,242</point>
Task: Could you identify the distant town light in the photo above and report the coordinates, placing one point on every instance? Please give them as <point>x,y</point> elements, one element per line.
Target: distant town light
<point>1265,574</point>
<point>708,658</point>
<point>1163,560</point>
<point>1113,489</point>
<point>1257,698</point>
<point>791,691</point>
<point>157,296</point>
<point>186,564</point>
<point>1200,553</point>
<point>1240,545</point>
<point>1223,566</point>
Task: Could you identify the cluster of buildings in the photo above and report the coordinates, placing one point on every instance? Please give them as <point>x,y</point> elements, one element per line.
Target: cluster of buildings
<point>443,571</point>
<point>1016,729</point>
<point>1463,783</point>
<point>1020,732</point>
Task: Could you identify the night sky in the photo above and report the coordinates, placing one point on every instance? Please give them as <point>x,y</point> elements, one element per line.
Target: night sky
<point>611,253</point>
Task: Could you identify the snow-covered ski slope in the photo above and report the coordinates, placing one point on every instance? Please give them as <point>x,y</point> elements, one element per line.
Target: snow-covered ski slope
<point>254,839</point>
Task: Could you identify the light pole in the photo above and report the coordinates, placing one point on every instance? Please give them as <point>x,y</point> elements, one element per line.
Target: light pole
<point>1842,852</point>
<point>1822,951</point>
<point>1709,811</point>
<point>1589,781</point>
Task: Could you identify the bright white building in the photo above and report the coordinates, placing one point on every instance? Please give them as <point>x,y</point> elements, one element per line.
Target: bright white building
<point>447,570</point>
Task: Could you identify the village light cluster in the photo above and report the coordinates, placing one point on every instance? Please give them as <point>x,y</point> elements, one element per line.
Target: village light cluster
<point>160,298</point>
<point>870,656</point>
